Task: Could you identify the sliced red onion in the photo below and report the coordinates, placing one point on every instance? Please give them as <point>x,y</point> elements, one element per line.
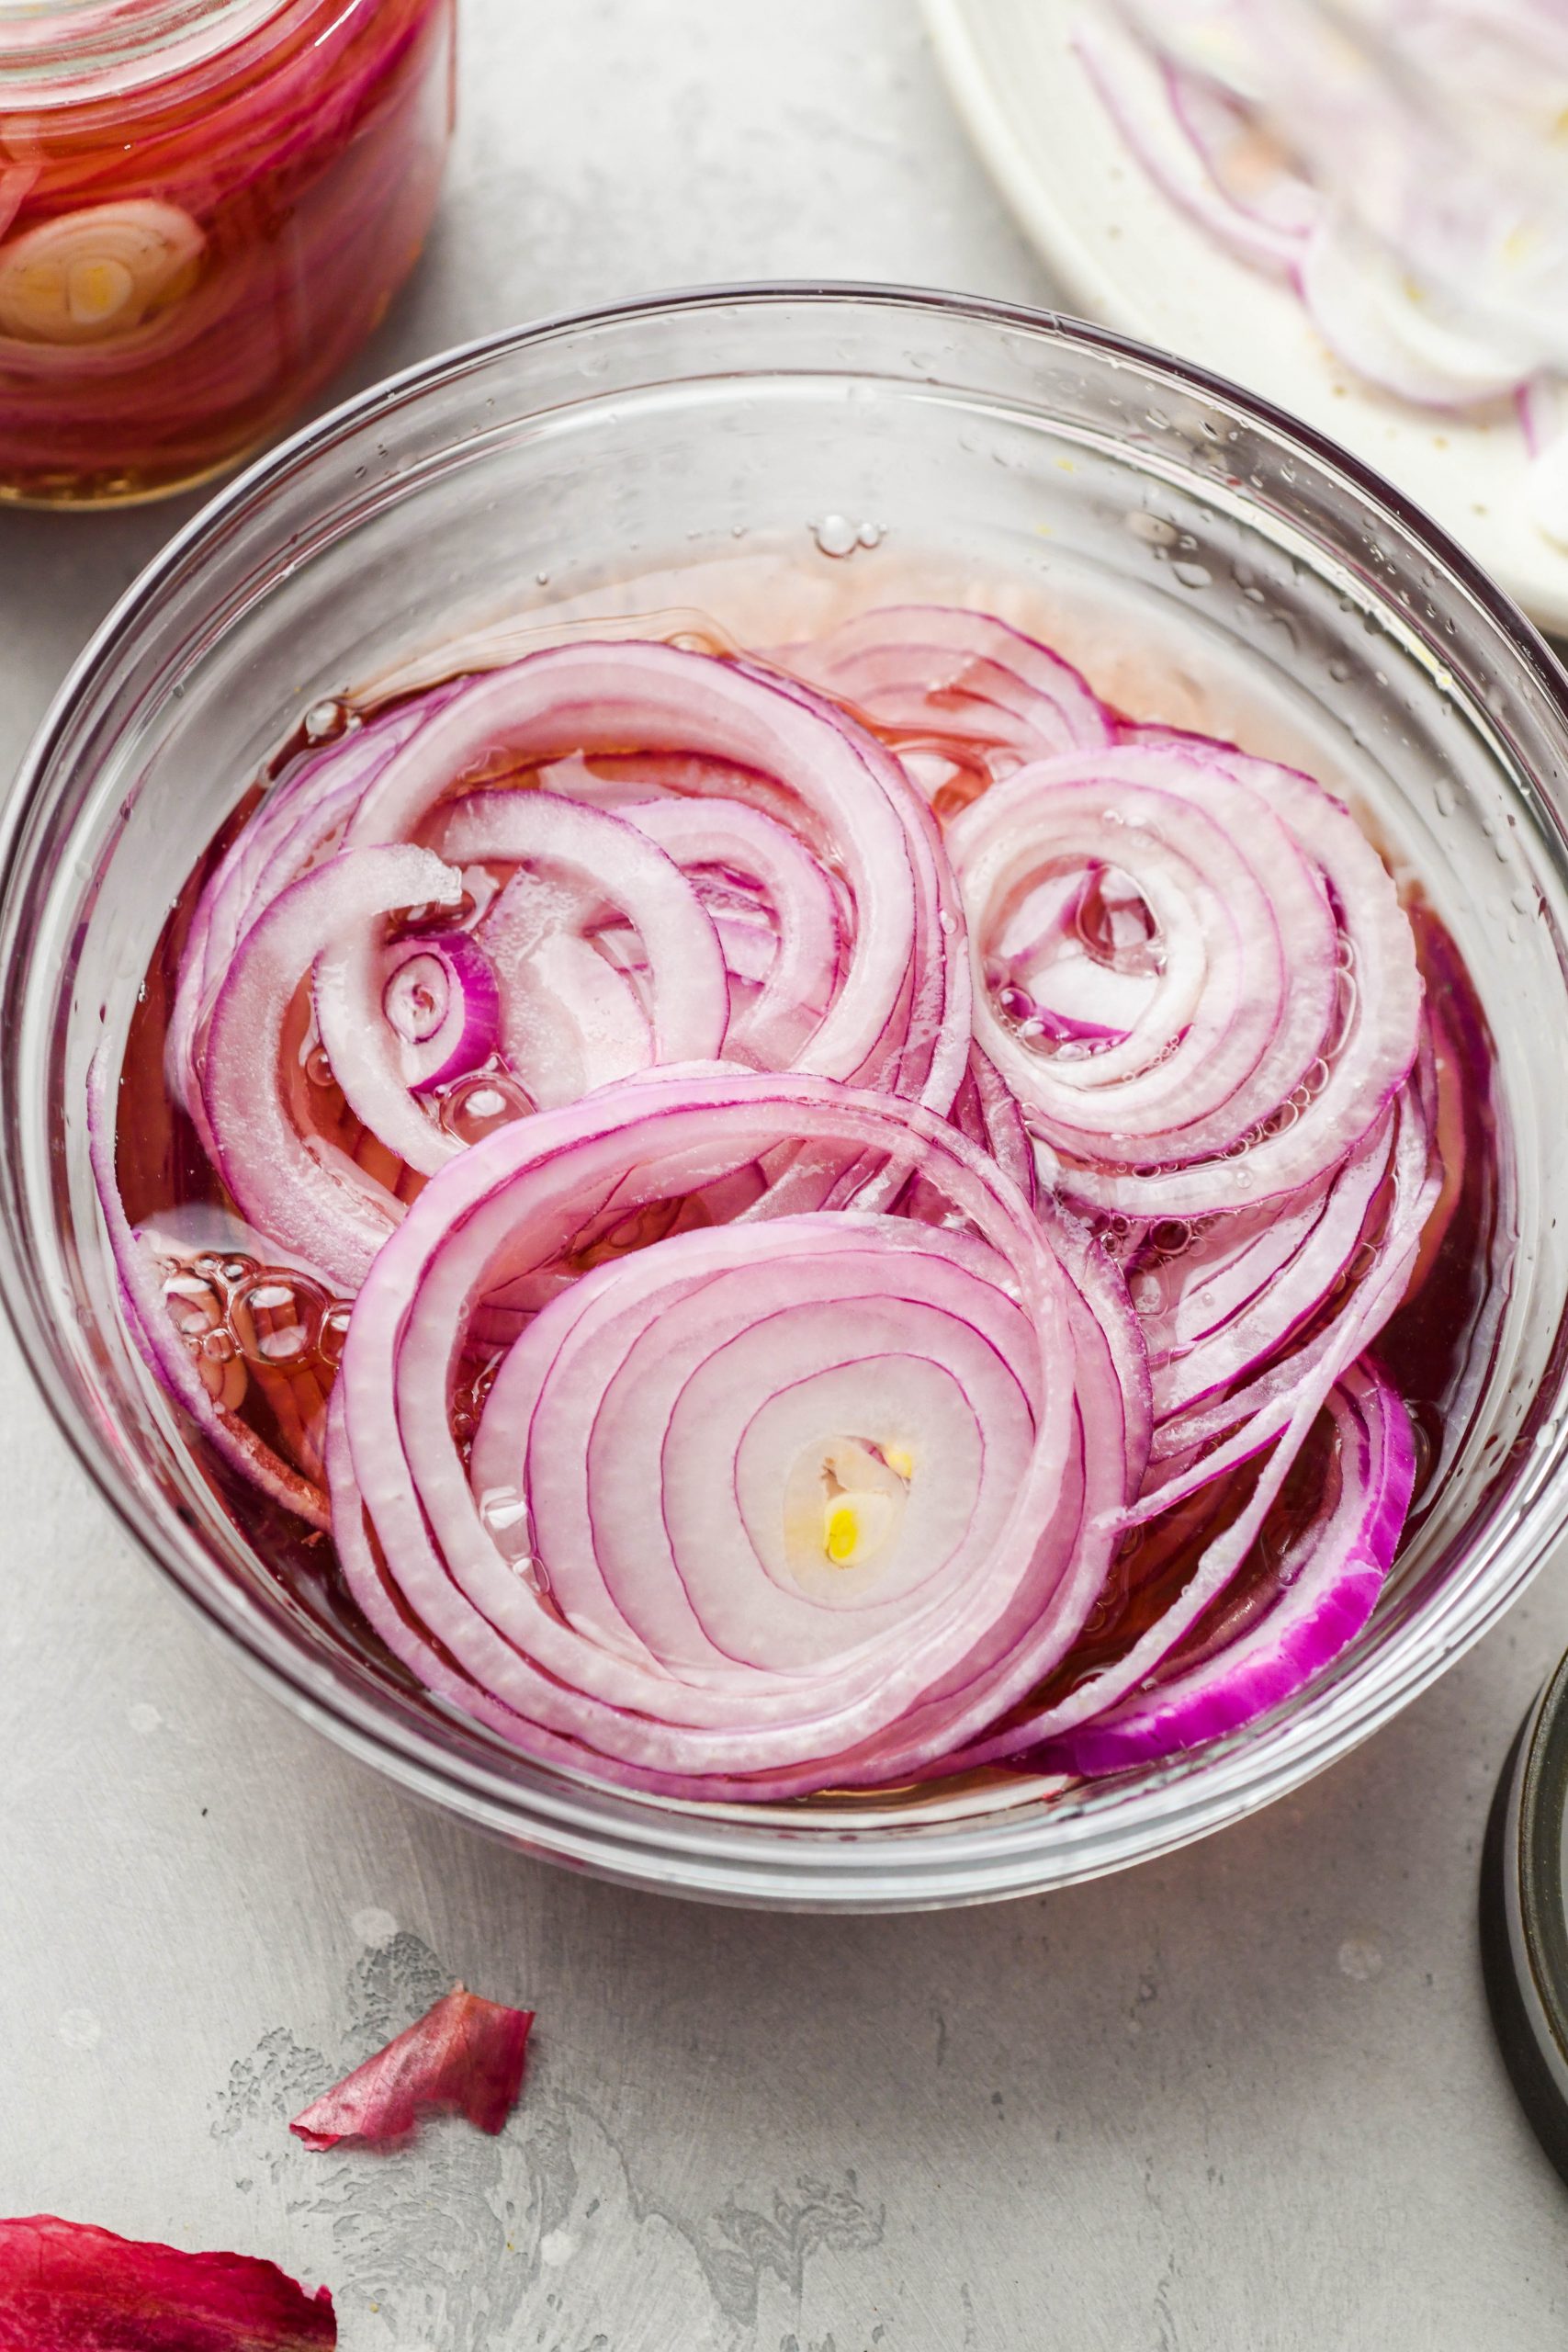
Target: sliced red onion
<point>1251,1280</point>
<point>793,955</point>
<point>577,867</point>
<point>925,674</point>
<point>299,1189</point>
<point>1275,1420</point>
<point>1314,1602</point>
<point>1401,165</point>
<point>733,1431</point>
<point>823,1577</point>
<point>1180,128</point>
<point>901,1014</point>
<point>160,1343</point>
<point>441,1001</point>
<point>301,821</point>
<point>1261,889</point>
<point>1365,305</point>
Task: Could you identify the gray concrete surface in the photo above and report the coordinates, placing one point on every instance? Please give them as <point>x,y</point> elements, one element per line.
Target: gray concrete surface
<point>1242,2099</point>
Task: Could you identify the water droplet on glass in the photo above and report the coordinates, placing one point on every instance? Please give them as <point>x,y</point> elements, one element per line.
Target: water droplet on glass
<point>836,536</point>
<point>325,719</point>
<point>318,1067</point>
<point>1194,575</point>
<point>275,1317</point>
<point>505,1511</point>
<point>334,1332</point>
<point>477,1106</point>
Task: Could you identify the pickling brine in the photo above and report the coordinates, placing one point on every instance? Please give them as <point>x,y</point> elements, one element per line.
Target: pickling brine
<point>811,1217</point>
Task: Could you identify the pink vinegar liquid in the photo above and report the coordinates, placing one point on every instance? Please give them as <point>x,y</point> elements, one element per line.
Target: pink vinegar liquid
<point>269,1340</point>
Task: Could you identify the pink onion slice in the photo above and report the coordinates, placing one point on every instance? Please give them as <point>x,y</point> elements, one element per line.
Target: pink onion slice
<point>160,1344</point>
<point>1240,1292</point>
<point>1313,1605</point>
<point>764,1654</point>
<point>938,672</point>
<point>301,1192</point>
<point>1179,128</point>
<point>1285,957</point>
<point>794,954</point>
<point>301,821</point>
<point>441,1000</point>
<point>901,1014</point>
<point>575,867</point>
<point>1276,1420</point>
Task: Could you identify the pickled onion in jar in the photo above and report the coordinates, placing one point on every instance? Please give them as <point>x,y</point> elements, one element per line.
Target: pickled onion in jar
<point>203,214</point>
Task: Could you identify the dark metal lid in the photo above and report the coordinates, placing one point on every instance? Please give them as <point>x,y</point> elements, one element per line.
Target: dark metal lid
<point>1524,1916</point>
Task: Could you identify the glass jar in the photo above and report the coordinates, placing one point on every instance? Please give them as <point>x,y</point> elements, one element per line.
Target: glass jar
<point>776,457</point>
<point>205,206</point>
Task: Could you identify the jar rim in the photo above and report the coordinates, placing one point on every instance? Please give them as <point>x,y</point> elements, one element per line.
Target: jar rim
<point>61,52</point>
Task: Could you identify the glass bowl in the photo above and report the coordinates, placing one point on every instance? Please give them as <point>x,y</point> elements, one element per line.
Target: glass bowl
<point>773,455</point>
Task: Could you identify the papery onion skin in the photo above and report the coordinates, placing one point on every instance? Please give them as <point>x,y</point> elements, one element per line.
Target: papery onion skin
<point>464,2056</point>
<point>68,2286</point>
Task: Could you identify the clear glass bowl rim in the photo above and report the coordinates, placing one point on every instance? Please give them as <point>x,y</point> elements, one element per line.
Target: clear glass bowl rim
<point>901,1862</point>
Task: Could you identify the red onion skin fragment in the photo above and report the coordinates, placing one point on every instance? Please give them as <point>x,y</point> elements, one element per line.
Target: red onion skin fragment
<point>866,1304</point>
<point>464,2056</point>
<point>68,2286</point>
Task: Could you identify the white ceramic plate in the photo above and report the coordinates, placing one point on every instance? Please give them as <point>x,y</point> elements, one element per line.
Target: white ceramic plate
<point>1124,255</point>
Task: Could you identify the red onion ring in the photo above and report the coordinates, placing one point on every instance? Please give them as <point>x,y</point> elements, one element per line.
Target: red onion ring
<point>1315,1603</point>
<point>731,1431</point>
<point>1253,876</point>
<point>924,674</point>
<point>574,1664</point>
<point>301,1190</point>
<point>159,1343</point>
